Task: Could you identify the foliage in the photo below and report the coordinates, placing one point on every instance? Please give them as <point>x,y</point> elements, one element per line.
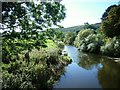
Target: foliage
<point>12,47</point>
<point>60,44</point>
<point>50,44</point>
<point>59,36</point>
<point>111,47</point>
<point>30,19</point>
<point>88,41</point>
<point>54,35</point>
<point>21,67</point>
<point>110,26</point>
<point>105,14</point>
<point>69,38</point>
<point>44,68</point>
<point>88,26</point>
<point>76,29</point>
<point>82,35</point>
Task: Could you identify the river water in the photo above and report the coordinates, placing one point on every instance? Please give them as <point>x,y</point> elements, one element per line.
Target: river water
<point>89,71</point>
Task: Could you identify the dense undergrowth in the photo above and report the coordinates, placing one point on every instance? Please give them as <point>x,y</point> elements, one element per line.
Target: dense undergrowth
<point>41,70</point>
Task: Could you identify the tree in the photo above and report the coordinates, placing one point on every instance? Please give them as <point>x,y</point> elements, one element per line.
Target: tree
<point>30,19</point>
<point>89,26</point>
<point>105,14</point>
<point>69,38</point>
<point>110,26</point>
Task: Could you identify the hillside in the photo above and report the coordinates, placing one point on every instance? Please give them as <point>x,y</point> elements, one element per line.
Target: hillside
<point>77,28</point>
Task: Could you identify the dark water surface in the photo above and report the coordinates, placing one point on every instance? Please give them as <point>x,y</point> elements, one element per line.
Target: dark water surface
<point>89,71</point>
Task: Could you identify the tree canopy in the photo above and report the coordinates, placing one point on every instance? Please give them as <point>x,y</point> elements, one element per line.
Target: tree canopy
<point>30,17</point>
<point>22,23</point>
<point>111,25</point>
<point>105,14</point>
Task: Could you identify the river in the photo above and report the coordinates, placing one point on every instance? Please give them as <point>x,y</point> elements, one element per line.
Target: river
<point>89,71</point>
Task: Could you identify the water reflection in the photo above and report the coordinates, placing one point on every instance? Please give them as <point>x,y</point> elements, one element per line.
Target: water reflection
<point>109,74</point>
<point>73,53</point>
<point>89,71</point>
<point>88,61</point>
<point>108,70</point>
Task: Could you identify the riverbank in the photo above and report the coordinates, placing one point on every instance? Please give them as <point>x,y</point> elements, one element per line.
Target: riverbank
<point>117,60</point>
<point>41,70</point>
<point>93,41</point>
<point>88,71</point>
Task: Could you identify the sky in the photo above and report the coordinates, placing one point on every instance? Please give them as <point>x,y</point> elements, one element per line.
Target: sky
<point>79,12</point>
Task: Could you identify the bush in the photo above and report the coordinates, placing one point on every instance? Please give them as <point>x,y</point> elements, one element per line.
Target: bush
<point>69,38</point>
<point>88,41</point>
<point>93,43</point>
<point>60,44</point>
<point>111,47</point>
<point>42,71</point>
<point>81,36</point>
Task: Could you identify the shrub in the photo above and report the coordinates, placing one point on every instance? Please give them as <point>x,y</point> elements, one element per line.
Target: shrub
<point>60,44</point>
<point>88,41</point>
<point>111,47</point>
<point>69,38</point>
<point>92,43</point>
<point>82,35</point>
<point>42,71</point>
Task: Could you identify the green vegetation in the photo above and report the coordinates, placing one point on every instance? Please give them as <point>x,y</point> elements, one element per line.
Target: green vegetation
<point>72,32</point>
<point>42,71</point>
<point>31,59</point>
<point>111,25</point>
<point>81,36</point>
<point>69,38</point>
<point>50,44</point>
<point>92,26</point>
<point>105,14</point>
<point>76,29</point>
<point>29,17</point>
<point>89,41</point>
<point>56,36</point>
<point>111,47</point>
<point>107,41</point>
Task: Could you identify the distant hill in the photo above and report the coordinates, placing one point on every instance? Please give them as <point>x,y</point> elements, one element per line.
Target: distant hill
<point>97,25</point>
<point>77,28</point>
<point>72,29</point>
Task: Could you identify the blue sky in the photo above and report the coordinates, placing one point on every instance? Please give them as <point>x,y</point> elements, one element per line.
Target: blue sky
<point>80,11</point>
